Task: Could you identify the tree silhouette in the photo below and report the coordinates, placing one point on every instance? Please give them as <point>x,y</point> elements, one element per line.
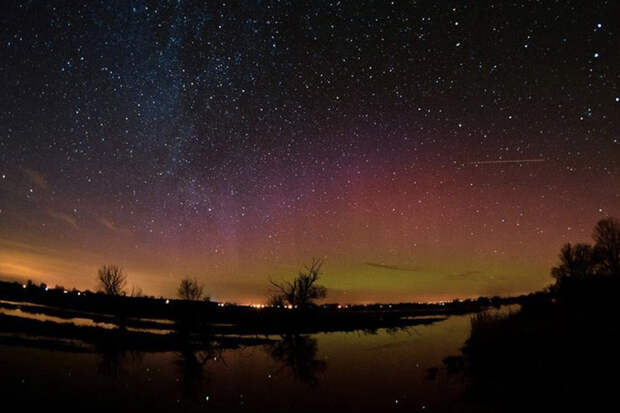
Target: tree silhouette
<point>301,292</point>
<point>576,262</point>
<point>590,273</point>
<point>607,245</point>
<point>190,290</point>
<point>112,279</point>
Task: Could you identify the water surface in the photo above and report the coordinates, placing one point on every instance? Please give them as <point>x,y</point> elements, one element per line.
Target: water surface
<point>357,371</point>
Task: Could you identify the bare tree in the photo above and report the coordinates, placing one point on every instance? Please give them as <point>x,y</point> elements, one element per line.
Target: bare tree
<point>607,248</point>
<point>302,291</point>
<point>190,289</point>
<point>112,279</point>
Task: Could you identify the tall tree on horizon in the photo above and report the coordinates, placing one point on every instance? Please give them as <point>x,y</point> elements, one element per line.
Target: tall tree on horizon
<point>190,289</point>
<point>112,279</point>
<point>302,291</point>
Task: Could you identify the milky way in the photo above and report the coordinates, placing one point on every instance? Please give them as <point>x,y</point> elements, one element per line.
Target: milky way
<point>426,150</point>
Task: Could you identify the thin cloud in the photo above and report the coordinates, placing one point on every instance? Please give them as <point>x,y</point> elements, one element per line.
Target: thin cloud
<point>112,226</point>
<point>66,218</point>
<point>6,243</point>
<point>42,264</point>
<point>393,267</point>
<point>36,178</point>
<point>466,275</point>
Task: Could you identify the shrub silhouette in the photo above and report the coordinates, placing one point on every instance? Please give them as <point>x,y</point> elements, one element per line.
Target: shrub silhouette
<point>276,300</point>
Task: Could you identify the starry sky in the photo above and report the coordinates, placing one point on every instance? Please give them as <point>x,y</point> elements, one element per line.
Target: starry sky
<point>425,150</point>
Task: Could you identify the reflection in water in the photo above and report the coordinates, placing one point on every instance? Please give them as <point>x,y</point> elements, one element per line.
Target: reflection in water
<point>367,372</point>
<point>191,364</point>
<point>114,360</point>
<point>78,321</point>
<point>298,354</point>
<point>39,312</point>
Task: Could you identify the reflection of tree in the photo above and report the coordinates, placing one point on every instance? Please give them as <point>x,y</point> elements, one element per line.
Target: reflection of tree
<point>191,362</point>
<point>298,354</point>
<point>114,359</point>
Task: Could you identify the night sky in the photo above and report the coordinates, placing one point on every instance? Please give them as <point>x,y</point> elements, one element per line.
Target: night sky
<point>425,150</point>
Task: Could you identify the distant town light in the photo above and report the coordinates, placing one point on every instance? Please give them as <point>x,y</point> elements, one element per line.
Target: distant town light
<point>167,301</point>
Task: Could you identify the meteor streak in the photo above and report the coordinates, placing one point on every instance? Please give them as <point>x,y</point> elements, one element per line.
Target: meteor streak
<point>507,161</point>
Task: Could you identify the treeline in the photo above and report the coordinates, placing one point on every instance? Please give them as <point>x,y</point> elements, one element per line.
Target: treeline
<point>558,351</point>
<point>590,272</point>
<point>100,302</point>
<point>112,280</point>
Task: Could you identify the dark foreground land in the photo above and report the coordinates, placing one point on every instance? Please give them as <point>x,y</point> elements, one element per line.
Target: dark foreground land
<point>557,351</point>
<point>560,352</point>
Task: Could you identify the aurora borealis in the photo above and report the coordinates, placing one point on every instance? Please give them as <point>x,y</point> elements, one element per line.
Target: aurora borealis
<point>426,150</point>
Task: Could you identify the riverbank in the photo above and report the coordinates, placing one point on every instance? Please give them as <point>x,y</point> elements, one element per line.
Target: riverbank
<point>160,315</point>
<point>556,354</point>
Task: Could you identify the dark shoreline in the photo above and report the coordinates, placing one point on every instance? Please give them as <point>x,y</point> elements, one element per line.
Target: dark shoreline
<point>152,324</point>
